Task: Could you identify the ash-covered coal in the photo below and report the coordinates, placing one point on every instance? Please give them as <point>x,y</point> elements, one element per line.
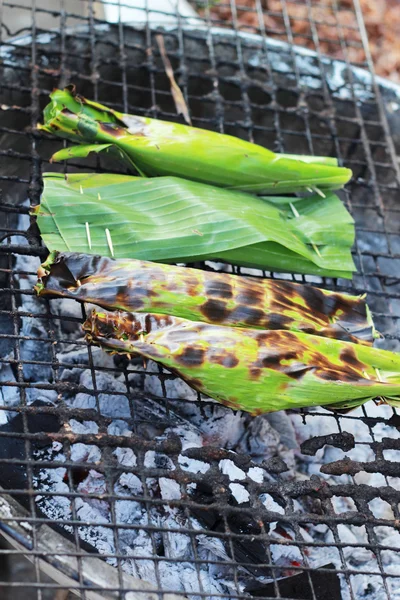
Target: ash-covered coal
<point>158,483</point>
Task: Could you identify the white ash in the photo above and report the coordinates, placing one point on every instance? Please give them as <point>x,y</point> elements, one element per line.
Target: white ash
<point>368,587</point>
<point>138,546</point>
<point>175,388</point>
<point>193,465</point>
<point>256,474</point>
<point>239,492</point>
<point>9,394</point>
<point>220,426</point>
<point>271,504</point>
<point>110,405</point>
<point>228,467</point>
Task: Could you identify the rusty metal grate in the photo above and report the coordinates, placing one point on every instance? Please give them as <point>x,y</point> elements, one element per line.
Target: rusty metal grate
<point>192,500</point>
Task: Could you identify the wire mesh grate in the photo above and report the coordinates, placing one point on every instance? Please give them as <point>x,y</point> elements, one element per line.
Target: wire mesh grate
<point>110,479</point>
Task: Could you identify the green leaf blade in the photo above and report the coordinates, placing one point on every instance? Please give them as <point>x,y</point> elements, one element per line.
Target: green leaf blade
<point>168,219</point>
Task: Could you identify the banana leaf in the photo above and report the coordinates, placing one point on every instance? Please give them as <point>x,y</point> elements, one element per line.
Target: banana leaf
<point>255,371</point>
<point>155,148</point>
<point>174,220</point>
<point>219,298</point>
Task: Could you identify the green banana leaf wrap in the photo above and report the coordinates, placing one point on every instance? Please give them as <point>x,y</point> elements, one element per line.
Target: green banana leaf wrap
<point>155,148</point>
<point>255,371</point>
<point>220,298</point>
<point>169,219</point>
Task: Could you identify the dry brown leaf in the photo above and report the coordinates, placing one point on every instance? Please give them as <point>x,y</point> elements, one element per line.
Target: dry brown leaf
<point>180,104</point>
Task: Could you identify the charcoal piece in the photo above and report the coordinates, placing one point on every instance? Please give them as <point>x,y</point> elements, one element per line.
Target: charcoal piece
<point>6,327</point>
<point>12,475</point>
<point>250,550</point>
<point>394,421</point>
<point>325,586</point>
<point>344,441</point>
<point>275,465</point>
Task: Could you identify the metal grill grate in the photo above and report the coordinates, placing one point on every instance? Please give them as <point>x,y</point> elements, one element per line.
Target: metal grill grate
<point>263,520</point>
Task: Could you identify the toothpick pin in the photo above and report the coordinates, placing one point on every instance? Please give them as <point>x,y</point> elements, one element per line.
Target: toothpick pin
<point>89,239</point>
<point>316,250</point>
<point>109,242</point>
<point>81,189</point>
<point>294,210</point>
<point>98,196</point>
<point>296,214</point>
<point>144,359</point>
<point>319,192</point>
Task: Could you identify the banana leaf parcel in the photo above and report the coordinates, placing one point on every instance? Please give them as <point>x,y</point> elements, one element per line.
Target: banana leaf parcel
<point>155,148</point>
<point>218,298</point>
<point>174,220</point>
<point>255,371</point>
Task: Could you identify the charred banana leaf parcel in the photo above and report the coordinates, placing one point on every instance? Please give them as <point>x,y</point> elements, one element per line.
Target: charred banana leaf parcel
<point>169,219</point>
<point>255,371</point>
<point>155,148</point>
<point>219,298</point>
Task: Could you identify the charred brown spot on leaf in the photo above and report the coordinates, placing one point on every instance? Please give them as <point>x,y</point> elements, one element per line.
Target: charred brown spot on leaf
<point>191,284</point>
<point>288,348</point>
<point>223,358</point>
<point>231,402</point>
<point>251,296</point>
<point>215,310</point>
<point>230,361</point>
<point>123,299</point>
<point>197,383</point>
<point>144,292</point>
<point>348,356</point>
<point>130,325</point>
<point>329,371</point>
<point>275,362</point>
<point>104,328</point>
<point>112,129</point>
<point>218,289</point>
<point>279,321</point>
<point>317,301</point>
<point>297,371</point>
<point>148,322</point>
<point>262,338</point>
<point>311,331</point>
<point>248,315</point>
<point>320,307</point>
<point>191,357</point>
<point>255,372</point>
<point>333,375</point>
<point>259,411</point>
<point>281,340</point>
<point>272,360</point>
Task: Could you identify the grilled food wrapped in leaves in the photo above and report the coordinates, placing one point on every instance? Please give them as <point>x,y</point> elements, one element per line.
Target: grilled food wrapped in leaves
<point>219,298</point>
<point>255,371</point>
<point>174,220</point>
<point>155,148</point>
